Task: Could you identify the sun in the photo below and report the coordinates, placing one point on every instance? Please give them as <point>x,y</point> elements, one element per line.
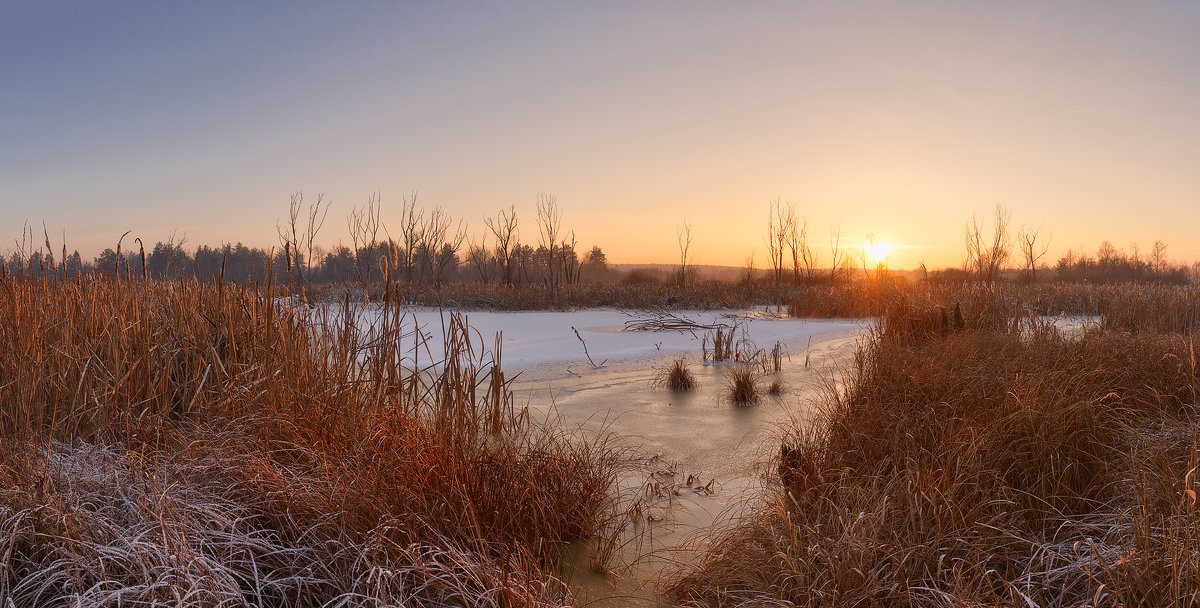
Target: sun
<point>878,251</point>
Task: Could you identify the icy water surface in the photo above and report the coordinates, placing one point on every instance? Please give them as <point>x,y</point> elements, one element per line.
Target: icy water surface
<point>696,437</point>
<point>699,458</point>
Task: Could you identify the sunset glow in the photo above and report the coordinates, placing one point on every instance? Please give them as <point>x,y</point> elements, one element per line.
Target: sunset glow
<point>311,303</point>
<point>877,253</point>
<point>1076,116</point>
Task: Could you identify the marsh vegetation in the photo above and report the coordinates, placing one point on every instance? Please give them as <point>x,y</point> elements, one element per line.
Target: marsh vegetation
<point>292,443</point>
<point>200,444</point>
<point>990,466</point>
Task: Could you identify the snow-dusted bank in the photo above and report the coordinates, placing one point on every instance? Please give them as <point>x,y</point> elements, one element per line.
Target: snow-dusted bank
<point>544,344</point>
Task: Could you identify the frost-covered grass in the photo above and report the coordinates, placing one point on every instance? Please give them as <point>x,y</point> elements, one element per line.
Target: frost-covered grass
<point>986,467</point>
<point>169,443</point>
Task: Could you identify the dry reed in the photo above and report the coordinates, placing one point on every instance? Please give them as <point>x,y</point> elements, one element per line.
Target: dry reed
<point>986,467</point>
<point>171,442</point>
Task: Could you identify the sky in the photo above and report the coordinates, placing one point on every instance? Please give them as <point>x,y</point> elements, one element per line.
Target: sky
<point>896,119</point>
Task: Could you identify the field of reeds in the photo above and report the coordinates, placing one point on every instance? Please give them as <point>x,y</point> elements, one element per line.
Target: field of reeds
<point>184,444</point>
<point>996,463</point>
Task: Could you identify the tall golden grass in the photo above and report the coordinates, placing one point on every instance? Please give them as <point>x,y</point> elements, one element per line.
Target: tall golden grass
<point>204,445</point>
<point>989,467</point>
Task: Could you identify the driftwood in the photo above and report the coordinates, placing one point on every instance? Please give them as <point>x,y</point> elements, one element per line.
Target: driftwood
<point>664,320</point>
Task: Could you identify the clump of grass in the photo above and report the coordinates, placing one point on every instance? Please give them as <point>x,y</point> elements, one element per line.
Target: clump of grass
<point>775,388</point>
<point>677,377</point>
<point>742,385</point>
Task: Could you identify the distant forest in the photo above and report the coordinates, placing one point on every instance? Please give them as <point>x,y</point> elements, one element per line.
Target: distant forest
<point>525,265</point>
<point>428,248</point>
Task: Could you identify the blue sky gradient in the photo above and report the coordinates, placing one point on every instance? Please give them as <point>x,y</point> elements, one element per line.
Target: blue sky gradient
<point>894,118</point>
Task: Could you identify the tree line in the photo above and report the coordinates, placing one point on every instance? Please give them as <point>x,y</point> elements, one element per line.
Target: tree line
<point>424,247</point>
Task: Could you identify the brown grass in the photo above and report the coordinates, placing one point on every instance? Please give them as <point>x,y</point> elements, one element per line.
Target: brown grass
<point>775,388</point>
<point>203,445</point>
<point>677,377</point>
<point>742,384</point>
<point>988,467</point>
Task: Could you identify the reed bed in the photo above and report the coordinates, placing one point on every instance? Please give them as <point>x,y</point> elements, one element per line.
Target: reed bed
<point>1153,309</point>
<point>985,467</point>
<point>172,443</point>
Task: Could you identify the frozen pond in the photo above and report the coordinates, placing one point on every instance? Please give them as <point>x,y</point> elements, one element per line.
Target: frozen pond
<point>543,345</point>
<point>1069,326</point>
<point>678,435</point>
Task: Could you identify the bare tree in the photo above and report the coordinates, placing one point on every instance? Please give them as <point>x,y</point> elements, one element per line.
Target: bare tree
<point>836,252</point>
<point>778,227</point>
<point>1033,248</point>
<point>810,258</point>
<point>412,225</point>
<point>438,246</point>
<point>549,218</point>
<point>504,228</point>
<point>569,259</point>
<point>985,255</point>
<point>1158,258</point>
<point>748,270</point>
<point>364,225</point>
<point>481,259</point>
<point>684,236</point>
<point>797,242</point>
<point>301,230</point>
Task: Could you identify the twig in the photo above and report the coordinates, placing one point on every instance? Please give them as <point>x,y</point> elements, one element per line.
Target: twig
<point>585,350</point>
